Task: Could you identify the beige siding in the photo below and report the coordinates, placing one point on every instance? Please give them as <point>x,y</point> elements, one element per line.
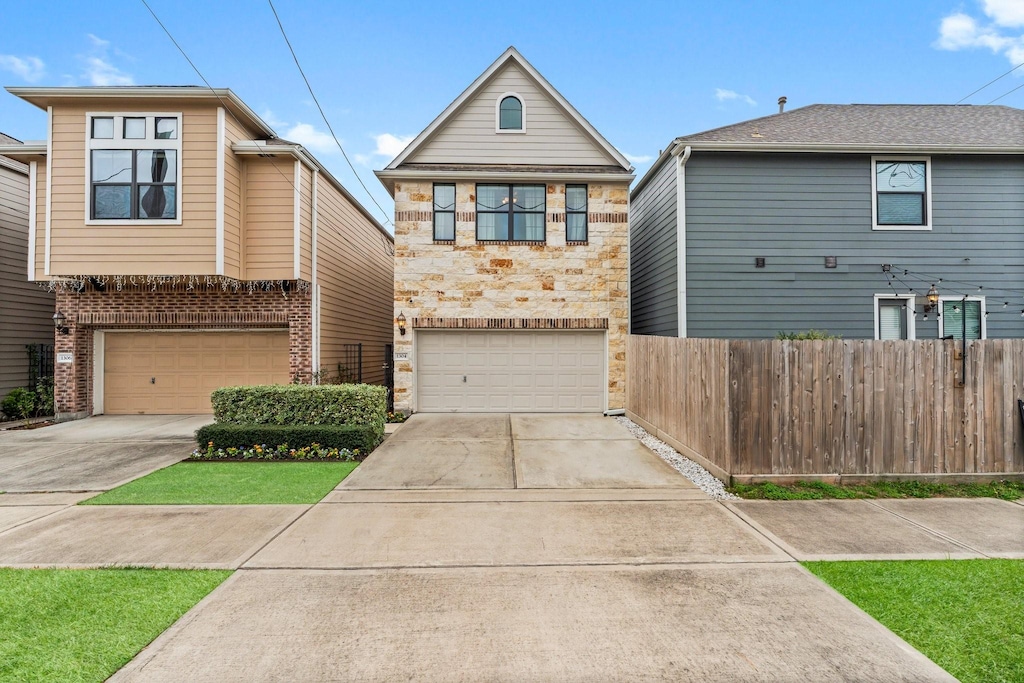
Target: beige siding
<point>355,271</point>
<point>306,226</point>
<point>232,199</point>
<point>551,136</point>
<point>186,249</point>
<point>269,219</point>
<point>25,308</point>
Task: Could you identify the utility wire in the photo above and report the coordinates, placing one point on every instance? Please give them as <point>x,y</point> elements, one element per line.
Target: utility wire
<point>309,87</point>
<point>990,83</point>
<point>1006,93</point>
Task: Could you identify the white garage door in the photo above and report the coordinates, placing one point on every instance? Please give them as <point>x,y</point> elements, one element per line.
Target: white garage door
<point>468,371</point>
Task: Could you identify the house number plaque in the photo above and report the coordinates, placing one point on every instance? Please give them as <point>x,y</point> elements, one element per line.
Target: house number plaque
<point>404,355</point>
<point>65,357</point>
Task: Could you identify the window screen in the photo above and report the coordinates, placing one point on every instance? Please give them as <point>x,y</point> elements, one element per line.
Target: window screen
<point>953,319</point>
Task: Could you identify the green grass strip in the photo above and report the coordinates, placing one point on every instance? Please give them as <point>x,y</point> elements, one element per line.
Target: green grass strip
<point>230,483</point>
<point>965,615</point>
<point>83,625</point>
<point>815,490</point>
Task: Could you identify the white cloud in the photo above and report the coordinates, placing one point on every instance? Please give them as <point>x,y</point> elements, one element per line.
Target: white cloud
<point>960,31</point>
<point>29,69</point>
<point>271,119</point>
<point>97,69</point>
<point>723,95</point>
<point>391,146</point>
<point>312,139</point>
<point>637,159</point>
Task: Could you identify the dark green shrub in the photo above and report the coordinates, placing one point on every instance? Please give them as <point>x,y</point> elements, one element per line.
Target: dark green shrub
<point>44,396</point>
<point>807,336</point>
<point>303,404</point>
<point>19,404</point>
<point>352,437</point>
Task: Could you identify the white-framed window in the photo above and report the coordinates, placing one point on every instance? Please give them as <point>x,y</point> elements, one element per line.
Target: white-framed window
<point>953,309</point>
<point>133,168</point>
<point>901,193</point>
<point>894,316</point>
<point>510,113</point>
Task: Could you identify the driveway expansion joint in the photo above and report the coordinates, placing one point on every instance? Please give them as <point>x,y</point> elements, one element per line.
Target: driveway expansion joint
<point>929,530</point>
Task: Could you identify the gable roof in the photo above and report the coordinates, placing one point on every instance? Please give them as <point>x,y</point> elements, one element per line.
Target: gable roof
<point>923,125</point>
<point>511,55</point>
<point>864,129</point>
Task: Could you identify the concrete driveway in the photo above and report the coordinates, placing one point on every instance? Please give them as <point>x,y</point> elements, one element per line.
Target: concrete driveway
<point>94,454</point>
<point>522,548</point>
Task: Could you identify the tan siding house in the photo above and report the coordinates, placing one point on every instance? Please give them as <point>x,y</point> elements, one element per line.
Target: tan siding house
<point>511,256</point>
<point>25,308</point>
<point>183,241</point>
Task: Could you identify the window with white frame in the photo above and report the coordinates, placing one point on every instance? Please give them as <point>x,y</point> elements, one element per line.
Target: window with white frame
<point>510,114</point>
<point>133,167</point>
<point>959,314</point>
<point>901,189</point>
<point>894,317</point>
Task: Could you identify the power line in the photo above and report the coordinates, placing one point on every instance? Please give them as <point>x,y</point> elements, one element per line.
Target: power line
<point>1006,93</point>
<point>990,83</point>
<point>323,115</point>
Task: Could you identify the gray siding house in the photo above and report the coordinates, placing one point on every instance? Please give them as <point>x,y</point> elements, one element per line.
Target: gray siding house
<point>835,217</point>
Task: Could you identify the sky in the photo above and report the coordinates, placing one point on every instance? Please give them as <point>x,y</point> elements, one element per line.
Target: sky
<point>641,72</point>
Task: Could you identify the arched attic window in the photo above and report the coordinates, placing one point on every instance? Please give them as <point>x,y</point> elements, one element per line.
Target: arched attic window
<point>511,114</point>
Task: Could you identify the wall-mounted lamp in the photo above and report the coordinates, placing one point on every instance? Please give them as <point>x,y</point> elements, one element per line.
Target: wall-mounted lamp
<point>58,323</point>
<point>401,323</point>
<point>932,299</point>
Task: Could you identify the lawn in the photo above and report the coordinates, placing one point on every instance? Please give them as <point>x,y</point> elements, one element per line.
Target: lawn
<point>813,490</point>
<point>965,615</point>
<point>83,625</point>
<point>230,483</point>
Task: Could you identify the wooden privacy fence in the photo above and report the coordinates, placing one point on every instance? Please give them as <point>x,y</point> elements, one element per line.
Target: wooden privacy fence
<point>755,410</point>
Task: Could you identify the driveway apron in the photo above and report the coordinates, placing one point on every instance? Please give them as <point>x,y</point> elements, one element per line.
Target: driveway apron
<point>523,548</point>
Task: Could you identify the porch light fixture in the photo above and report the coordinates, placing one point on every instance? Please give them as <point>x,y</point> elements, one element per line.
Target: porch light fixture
<point>933,299</point>
<point>401,323</point>
<point>58,323</point>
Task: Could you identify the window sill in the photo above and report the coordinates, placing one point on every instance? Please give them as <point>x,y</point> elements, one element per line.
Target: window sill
<point>127,221</point>
<point>917,228</point>
<point>528,243</point>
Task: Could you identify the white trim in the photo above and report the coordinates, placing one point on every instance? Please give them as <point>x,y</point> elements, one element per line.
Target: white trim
<point>49,186</point>
<point>32,221</point>
<point>681,241</point>
<point>497,114</point>
<point>847,148</point>
<point>316,328</point>
<point>510,55</point>
<point>220,190</point>
<point>927,192</point>
<point>981,312</point>
<point>910,313</point>
<point>296,218</point>
<point>314,209</point>
<point>119,143</point>
<point>14,165</point>
<point>508,176</point>
<point>98,369</point>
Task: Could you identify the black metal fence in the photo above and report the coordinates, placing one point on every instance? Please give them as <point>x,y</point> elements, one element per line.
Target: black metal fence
<point>350,369</point>
<point>40,362</point>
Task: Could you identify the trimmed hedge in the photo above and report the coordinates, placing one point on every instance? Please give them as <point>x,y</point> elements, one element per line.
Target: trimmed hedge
<point>303,404</point>
<point>351,437</point>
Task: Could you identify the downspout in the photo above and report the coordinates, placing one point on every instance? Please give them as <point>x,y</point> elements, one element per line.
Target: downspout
<point>681,160</point>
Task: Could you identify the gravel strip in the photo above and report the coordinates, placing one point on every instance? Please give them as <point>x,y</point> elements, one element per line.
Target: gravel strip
<point>688,468</point>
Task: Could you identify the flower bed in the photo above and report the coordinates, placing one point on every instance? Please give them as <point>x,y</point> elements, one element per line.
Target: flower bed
<point>282,452</point>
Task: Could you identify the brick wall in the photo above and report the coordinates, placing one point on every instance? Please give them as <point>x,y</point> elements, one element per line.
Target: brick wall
<point>480,285</point>
<point>171,307</point>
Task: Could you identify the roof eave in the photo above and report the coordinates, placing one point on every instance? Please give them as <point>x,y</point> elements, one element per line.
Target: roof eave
<point>40,96</point>
<point>845,148</point>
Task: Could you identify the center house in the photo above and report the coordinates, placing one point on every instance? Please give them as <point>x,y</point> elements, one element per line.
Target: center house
<point>511,256</point>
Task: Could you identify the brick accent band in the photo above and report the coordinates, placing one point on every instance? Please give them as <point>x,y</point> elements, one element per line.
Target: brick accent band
<point>510,323</point>
<point>608,217</point>
<point>199,318</point>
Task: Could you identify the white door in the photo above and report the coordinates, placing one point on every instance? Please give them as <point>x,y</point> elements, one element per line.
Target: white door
<point>518,372</point>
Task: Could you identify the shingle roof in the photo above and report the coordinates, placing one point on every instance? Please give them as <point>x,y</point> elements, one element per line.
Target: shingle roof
<point>879,124</point>
<point>8,140</point>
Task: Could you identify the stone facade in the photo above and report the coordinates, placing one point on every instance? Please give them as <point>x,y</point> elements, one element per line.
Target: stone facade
<point>554,285</point>
<point>170,307</point>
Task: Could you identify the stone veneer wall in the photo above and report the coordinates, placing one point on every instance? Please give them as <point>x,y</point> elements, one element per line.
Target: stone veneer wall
<point>170,307</point>
<point>561,282</point>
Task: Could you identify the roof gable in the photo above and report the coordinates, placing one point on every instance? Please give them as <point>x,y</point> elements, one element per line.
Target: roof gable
<point>555,133</point>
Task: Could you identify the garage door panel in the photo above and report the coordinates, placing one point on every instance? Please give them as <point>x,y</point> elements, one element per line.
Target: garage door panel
<point>187,367</point>
<point>525,371</point>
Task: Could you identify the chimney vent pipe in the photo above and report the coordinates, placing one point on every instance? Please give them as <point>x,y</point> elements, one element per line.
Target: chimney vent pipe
<point>782,104</point>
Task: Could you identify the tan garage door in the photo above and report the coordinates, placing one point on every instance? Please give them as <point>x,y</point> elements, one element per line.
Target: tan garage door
<point>463,371</point>
<point>174,372</point>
